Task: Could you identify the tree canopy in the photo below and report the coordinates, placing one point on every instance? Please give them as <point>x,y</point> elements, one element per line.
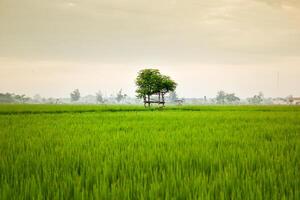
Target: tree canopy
<point>256,99</point>
<point>99,97</point>
<point>120,96</point>
<point>13,98</point>
<point>150,82</point>
<point>75,95</point>
<point>223,97</point>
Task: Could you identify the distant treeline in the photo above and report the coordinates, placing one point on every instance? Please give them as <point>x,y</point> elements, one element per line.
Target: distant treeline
<point>222,98</point>
<point>13,98</point>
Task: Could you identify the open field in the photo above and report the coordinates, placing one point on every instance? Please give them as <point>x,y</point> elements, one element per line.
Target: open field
<point>128,152</point>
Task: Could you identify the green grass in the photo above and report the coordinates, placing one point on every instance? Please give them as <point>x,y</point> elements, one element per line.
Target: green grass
<point>127,152</point>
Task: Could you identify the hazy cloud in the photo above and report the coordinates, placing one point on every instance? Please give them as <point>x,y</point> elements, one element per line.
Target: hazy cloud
<point>132,30</point>
<point>189,34</point>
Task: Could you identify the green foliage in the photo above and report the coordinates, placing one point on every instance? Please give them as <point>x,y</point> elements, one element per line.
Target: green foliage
<point>148,81</point>
<point>151,81</point>
<point>167,84</point>
<point>126,152</point>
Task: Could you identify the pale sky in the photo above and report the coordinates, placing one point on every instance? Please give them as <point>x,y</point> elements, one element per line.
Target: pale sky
<point>51,47</point>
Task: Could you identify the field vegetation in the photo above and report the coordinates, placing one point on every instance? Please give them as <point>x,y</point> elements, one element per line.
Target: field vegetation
<point>129,152</point>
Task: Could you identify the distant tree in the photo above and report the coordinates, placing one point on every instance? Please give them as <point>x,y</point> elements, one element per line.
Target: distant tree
<point>256,99</point>
<point>231,98</point>
<point>120,96</point>
<point>51,100</point>
<point>221,97</point>
<point>75,95</point>
<point>99,97</point>
<point>7,98</point>
<point>173,96</point>
<point>26,99</point>
<point>13,98</point>
<point>289,99</point>
<point>37,98</point>
<point>21,98</point>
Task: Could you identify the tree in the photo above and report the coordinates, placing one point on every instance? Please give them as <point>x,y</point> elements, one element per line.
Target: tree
<point>51,100</point>
<point>231,98</point>
<point>221,96</point>
<point>37,98</point>
<point>290,99</point>
<point>166,85</point>
<point>75,95</point>
<point>256,99</point>
<point>151,81</point>
<point>7,98</point>
<point>120,96</point>
<point>147,81</point>
<point>99,97</point>
<point>13,98</point>
<point>21,98</point>
<point>173,96</point>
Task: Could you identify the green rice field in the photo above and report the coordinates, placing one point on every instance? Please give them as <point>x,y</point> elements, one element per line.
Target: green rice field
<point>129,152</point>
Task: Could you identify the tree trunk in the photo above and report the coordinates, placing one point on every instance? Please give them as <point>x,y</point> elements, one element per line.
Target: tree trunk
<point>159,97</point>
<point>148,100</point>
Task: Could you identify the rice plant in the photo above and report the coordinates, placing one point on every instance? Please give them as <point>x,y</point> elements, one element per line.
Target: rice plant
<point>129,152</point>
